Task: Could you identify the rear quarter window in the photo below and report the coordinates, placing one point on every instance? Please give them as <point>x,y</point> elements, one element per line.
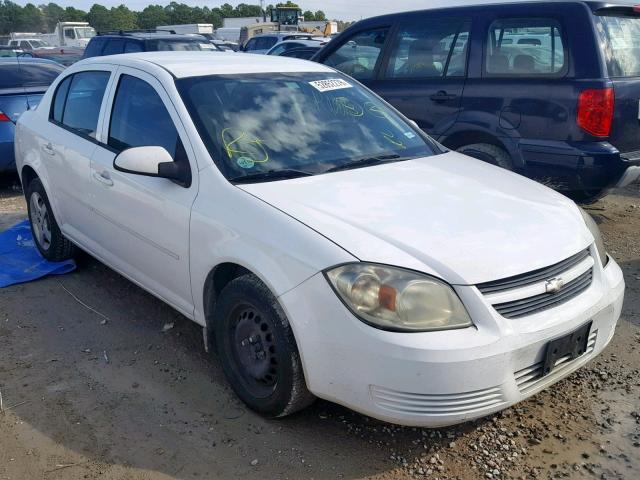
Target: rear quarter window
<point>525,47</point>
<point>94,48</point>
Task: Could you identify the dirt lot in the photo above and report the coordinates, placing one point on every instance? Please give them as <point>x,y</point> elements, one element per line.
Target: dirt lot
<point>101,380</point>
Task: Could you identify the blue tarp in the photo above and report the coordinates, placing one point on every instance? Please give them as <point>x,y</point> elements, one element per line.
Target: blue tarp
<point>20,260</point>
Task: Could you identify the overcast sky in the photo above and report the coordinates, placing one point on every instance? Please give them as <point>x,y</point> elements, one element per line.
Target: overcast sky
<point>338,9</point>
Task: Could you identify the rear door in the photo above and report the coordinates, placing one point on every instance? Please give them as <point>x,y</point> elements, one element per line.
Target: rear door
<point>424,74</point>
<point>620,28</point>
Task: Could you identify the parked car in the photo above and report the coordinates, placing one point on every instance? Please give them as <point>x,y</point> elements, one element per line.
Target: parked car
<point>547,89</point>
<point>304,53</point>
<point>23,81</point>
<point>282,47</point>
<point>264,42</point>
<point>27,44</point>
<point>113,43</point>
<point>326,244</point>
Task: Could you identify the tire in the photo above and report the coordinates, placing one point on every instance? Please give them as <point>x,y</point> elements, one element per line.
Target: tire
<point>488,153</point>
<point>257,349</point>
<point>48,238</point>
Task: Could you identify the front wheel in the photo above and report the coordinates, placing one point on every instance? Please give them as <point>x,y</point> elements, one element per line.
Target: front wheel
<point>48,238</point>
<point>257,349</point>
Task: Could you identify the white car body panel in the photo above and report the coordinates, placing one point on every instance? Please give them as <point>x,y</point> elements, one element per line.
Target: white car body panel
<point>379,214</point>
<point>445,215</point>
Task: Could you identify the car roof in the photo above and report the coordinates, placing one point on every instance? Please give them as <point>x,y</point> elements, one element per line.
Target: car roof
<point>479,4</point>
<point>193,64</point>
<point>147,35</point>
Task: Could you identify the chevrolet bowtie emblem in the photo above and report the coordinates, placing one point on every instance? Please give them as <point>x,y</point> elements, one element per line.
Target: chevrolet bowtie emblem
<point>554,285</point>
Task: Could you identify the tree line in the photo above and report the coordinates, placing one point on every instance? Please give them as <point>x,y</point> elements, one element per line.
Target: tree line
<point>43,18</point>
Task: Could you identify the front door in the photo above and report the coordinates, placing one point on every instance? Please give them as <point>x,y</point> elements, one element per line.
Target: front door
<point>424,74</point>
<point>142,223</point>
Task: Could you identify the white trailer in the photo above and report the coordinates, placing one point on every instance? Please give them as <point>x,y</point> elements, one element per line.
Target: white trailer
<point>189,28</point>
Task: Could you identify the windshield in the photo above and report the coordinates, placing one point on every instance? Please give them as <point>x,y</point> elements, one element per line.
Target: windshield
<point>180,45</point>
<point>85,32</point>
<point>311,122</point>
<point>623,34</point>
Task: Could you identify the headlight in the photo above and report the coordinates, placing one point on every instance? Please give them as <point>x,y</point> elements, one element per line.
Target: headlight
<point>595,231</point>
<point>396,299</point>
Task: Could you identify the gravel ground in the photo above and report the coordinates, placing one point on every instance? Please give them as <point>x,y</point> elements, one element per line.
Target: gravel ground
<point>101,380</point>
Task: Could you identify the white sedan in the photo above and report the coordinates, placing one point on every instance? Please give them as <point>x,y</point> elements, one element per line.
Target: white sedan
<point>325,244</point>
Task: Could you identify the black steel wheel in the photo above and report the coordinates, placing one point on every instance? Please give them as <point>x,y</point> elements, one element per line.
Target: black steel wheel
<point>257,349</point>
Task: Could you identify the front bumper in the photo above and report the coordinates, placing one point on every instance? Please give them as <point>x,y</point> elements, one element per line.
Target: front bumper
<point>441,378</point>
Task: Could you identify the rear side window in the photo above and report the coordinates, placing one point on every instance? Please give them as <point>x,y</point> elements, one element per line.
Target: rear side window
<point>525,47</point>
<point>135,103</point>
<point>83,100</point>
<point>435,47</point>
<point>359,55</point>
<point>16,75</point>
<point>623,52</point>
<point>94,49</point>
<point>173,45</point>
<point>114,46</point>
<point>133,46</point>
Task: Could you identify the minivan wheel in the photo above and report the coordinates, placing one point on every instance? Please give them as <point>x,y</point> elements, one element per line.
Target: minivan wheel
<point>48,238</point>
<point>257,349</point>
<point>488,153</point>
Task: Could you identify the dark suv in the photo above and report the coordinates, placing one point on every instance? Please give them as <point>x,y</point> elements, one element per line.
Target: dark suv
<point>547,89</point>
<point>113,43</point>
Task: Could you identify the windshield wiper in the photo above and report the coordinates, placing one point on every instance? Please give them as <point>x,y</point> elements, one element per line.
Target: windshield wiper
<point>271,175</point>
<point>367,161</point>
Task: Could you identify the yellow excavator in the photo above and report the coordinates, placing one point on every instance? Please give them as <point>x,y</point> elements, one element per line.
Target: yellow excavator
<point>285,18</point>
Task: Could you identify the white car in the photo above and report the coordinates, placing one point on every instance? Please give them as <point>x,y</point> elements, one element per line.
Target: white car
<point>327,246</point>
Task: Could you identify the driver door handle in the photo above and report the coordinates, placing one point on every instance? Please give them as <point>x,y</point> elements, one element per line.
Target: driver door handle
<point>442,96</point>
<point>103,178</point>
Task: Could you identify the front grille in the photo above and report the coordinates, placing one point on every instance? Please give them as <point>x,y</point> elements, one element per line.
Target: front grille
<point>534,276</point>
<point>437,404</point>
<point>530,378</point>
<point>528,306</point>
<point>529,293</point>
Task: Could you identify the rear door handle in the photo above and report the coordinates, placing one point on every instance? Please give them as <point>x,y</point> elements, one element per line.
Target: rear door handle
<point>103,178</point>
<point>48,149</point>
<point>442,96</point>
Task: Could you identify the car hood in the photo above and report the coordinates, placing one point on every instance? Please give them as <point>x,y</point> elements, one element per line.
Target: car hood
<point>447,215</point>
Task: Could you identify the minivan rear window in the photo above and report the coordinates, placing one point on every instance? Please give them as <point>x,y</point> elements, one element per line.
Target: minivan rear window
<point>623,34</point>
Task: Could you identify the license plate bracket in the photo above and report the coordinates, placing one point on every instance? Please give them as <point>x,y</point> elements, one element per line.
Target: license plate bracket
<point>573,344</point>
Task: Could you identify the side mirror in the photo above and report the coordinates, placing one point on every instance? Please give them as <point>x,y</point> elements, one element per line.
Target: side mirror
<point>153,161</point>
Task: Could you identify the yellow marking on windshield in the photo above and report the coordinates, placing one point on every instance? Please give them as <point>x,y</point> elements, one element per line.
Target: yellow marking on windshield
<point>240,150</point>
<point>391,138</point>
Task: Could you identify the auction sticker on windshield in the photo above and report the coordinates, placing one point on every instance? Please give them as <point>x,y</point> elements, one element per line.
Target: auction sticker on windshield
<point>330,84</point>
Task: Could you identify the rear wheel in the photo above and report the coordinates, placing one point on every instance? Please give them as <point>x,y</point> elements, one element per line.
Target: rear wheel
<point>47,236</point>
<point>257,349</point>
<point>488,153</point>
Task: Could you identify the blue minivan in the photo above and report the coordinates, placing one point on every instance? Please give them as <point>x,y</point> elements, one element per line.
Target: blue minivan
<point>550,90</point>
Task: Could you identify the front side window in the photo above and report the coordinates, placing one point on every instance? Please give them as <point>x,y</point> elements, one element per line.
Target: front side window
<point>359,55</point>
<point>264,123</point>
<point>84,98</point>
<point>523,47</point>
<point>623,45</point>
<point>434,47</point>
<point>139,118</point>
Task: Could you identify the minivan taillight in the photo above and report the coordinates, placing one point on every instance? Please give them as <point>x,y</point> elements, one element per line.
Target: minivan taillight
<point>3,117</point>
<point>595,111</point>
